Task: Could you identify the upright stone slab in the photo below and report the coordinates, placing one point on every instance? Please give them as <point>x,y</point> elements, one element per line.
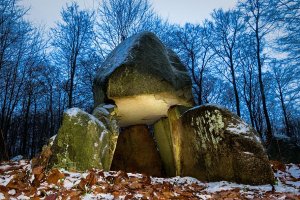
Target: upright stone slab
<point>136,152</point>
<point>217,145</point>
<point>144,79</point>
<point>80,142</point>
<point>177,135</point>
<point>107,114</point>
<point>162,134</point>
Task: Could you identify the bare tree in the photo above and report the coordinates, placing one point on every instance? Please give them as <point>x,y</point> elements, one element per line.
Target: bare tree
<point>260,21</point>
<point>191,43</point>
<point>72,41</point>
<point>119,19</point>
<point>288,17</point>
<point>286,77</point>
<point>227,27</point>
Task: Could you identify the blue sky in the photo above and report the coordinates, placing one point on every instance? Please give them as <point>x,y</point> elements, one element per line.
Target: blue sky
<point>47,12</point>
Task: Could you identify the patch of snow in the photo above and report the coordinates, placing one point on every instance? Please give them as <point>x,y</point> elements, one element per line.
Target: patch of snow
<point>204,196</point>
<point>135,175</point>
<point>23,197</point>
<point>118,56</point>
<point>294,170</point>
<point>103,111</point>
<point>209,104</point>
<point>5,167</point>
<point>52,139</point>
<point>240,128</point>
<point>249,153</point>
<point>295,184</point>
<point>84,175</point>
<point>4,180</point>
<point>108,106</point>
<point>2,196</point>
<point>69,183</point>
<point>12,192</point>
<point>98,196</point>
<point>213,187</point>
<point>73,112</point>
<point>96,121</point>
<point>176,180</point>
<point>17,158</point>
<point>138,196</point>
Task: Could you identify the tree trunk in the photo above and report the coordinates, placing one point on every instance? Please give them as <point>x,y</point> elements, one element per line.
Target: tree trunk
<point>236,94</point>
<point>269,134</point>
<point>286,121</point>
<point>3,149</point>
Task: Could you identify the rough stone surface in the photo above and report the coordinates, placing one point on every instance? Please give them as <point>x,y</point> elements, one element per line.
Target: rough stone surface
<point>142,72</point>
<point>81,142</point>
<point>218,145</point>
<point>177,135</point>
<point>162,134</point>
<point>107,114</point>
<point>136,152</point>
<point>284,149</point>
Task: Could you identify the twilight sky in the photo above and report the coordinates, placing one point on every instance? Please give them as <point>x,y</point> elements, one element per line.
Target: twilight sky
<point>47,12</point>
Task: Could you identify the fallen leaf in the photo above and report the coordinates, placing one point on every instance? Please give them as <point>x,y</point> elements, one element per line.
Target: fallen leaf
<point>37,170</point>
<point>135,185</point>
<point>51,197</point>
<point>91,179</point>
<point>54,176</point>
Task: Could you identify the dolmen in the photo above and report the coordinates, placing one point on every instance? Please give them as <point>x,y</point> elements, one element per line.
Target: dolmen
<point>145,121</point>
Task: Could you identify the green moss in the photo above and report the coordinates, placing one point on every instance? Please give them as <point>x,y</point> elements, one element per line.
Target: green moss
<point>162,134</point>
<point>78,144</point>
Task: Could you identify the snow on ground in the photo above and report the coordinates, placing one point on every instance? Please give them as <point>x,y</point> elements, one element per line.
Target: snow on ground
<point>19,181</point>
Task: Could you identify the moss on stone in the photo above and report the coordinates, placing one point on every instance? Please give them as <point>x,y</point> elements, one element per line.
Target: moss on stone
<point>174,114</point>
<point>223,146</point>
<point>162,134</point>
<point>79,142</point>
<point>108,115</point>
<point>136,61</point>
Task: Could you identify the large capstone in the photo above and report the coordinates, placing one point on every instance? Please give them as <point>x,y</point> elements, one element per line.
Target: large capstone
<point>136,152</point>
<point>82,143</point>
<point>218,145</point>
<point>144,79</point>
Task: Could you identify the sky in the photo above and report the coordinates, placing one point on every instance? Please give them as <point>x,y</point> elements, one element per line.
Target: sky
<point>47,12</point>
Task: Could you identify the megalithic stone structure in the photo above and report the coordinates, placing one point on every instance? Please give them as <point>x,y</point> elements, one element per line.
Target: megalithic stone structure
<point>153,128</point>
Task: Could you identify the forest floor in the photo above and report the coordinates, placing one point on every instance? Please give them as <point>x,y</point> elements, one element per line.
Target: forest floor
<point>19,181</point>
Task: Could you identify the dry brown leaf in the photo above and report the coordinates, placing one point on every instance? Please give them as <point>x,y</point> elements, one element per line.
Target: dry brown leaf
<point>51,197</point>
<point>135,185</point>
<point>98,190</point>
<point>82,184</point>
<point>3,189</point>
<point>91,179</point>
<point>276,165</point>
<point>37,170</point>
<point>54,176</point>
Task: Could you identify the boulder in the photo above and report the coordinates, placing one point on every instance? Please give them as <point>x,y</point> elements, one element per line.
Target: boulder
<point>81,143</point>
<point>144,79</point>
<point>218,145</point>
<point>136,152</point>
<point>285,149</point>
<point>107,114</point>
